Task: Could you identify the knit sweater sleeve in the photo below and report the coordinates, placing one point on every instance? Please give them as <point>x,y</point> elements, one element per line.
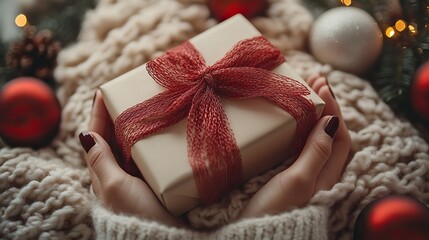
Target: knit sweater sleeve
<point>306,223</point>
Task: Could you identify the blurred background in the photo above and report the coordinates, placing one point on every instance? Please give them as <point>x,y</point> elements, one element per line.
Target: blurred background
<point>383,41</point>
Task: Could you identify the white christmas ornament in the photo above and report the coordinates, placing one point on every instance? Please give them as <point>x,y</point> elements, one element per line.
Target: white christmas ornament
<point>347,38</point>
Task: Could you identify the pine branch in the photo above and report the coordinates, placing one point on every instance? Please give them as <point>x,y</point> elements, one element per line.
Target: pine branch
<point>325,4</point>
<point>66,22</point>
<point>394,74</point>
<point>423,38</point>
<point>411,10</point>
<point>5,73</point>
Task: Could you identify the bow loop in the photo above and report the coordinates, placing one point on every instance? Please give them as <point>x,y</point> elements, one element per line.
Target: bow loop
<point>255,52</point>
<point>178,68</point>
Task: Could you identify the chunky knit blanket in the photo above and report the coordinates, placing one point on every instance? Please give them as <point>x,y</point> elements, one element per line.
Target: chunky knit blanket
<point>44,193</point>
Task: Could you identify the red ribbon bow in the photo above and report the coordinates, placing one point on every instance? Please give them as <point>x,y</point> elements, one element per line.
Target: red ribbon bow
<point>194,90</point>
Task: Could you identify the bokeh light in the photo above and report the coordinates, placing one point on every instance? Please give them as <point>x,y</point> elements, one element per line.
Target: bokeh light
<point>390,32</point>
<point>347,2</point>
<point>412,29</point>
<point>21,20</point>
<point>400,25</point>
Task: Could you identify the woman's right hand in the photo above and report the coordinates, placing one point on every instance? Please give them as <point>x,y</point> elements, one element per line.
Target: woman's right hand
<point>116,189</point>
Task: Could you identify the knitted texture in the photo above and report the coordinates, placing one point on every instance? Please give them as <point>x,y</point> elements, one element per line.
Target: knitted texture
<point>308,223</point>
<point>44,193</point>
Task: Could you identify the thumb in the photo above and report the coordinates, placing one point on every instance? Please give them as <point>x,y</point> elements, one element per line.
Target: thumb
<point>99,157</point>
<point>318,147</point>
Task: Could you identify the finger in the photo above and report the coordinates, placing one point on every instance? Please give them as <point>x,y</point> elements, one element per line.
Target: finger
<point>318,83</point>
<point>100,120</point>
<point>96,186</point>
<point>334,167</point>
<point>312,78</point>
<point>317,149</point>
<point>100,158</point>
<point>331,105</point>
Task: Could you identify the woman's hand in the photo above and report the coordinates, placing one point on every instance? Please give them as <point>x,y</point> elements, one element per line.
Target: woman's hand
<point>114,187</point>
<point>318,167</point>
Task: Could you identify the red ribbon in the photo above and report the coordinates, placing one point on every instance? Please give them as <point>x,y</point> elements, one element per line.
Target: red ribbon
<point>194,91</point>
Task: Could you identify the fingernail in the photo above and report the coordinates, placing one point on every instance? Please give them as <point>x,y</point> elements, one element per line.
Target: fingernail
<point>86,140</point>
<point>93,98</point>
<point>332,126</point>
<point>330,89</point>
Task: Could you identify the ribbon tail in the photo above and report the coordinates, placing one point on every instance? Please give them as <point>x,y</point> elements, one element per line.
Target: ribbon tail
<point>213,152</point>
<point>291,97</point>
<point>303,111</point>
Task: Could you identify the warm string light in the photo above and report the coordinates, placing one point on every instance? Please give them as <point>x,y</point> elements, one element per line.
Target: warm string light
<point>412,29</point>
<point>390,32</point>
<point>346,2</point>
<point>399,26</point>
<point>21,20</point>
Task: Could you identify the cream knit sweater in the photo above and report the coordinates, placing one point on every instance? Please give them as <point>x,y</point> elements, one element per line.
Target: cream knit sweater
<point>44,193</point>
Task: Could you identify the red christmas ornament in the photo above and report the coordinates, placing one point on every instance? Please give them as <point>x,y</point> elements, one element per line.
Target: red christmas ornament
<point>224,9</point>
<point>420,91</point>
<point>393,218</point>
<point>29,113</point>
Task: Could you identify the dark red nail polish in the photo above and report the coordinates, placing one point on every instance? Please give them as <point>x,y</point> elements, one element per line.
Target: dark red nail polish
<point>332,126</point>
<point>86,140</point>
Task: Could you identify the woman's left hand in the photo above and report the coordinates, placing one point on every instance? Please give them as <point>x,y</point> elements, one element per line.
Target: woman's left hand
<point>318,167</point>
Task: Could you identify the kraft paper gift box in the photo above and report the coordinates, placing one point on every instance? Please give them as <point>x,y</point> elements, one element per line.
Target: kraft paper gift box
<point>264,133</point>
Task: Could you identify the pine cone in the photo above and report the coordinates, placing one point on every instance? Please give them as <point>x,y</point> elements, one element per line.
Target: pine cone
<point>35,55</point>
